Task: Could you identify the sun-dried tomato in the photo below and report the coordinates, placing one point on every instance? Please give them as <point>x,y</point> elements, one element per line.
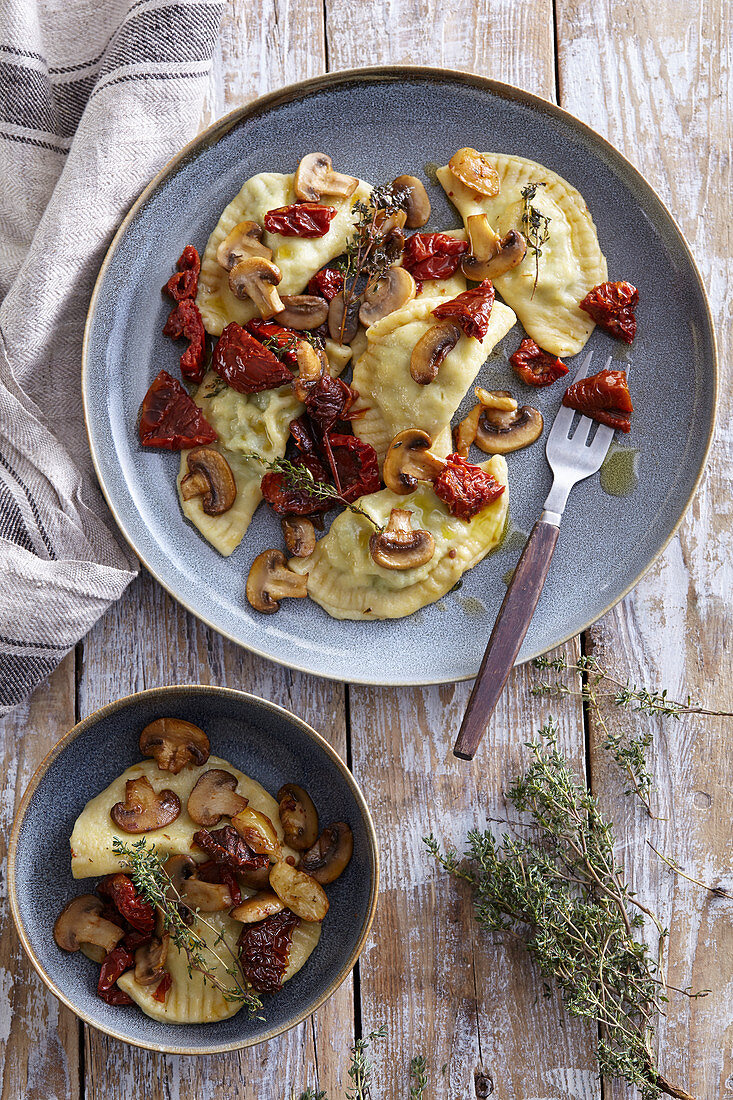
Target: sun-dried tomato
<point>301,219</point>
<point>225,846</point>
<point>328,400</point>
<point>288,500</point>
<point>161,989</point>
<point>327,283</point>
<point>215,872</point>
<point>185,282</point>
<point>285,339</point>
<point>612,305</point>
<point>471,310</point>
<point>184,322</point>
<point>433,255</point>
<point>245,364</point>
<point>604,397</point>
<point>536,367</point>
<point>170,419</point>
<point>357,465</point>
<point>115,963</point>
<point>132,940</point>
<point>264,949</point>
<point>125,898</point>
<point>465,488</point>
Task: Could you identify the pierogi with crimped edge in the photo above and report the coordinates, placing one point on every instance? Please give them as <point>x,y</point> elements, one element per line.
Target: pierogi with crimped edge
<point>571,262</point>
<point>298,258</point>
<point>390,400</point>
<point>346,581</point>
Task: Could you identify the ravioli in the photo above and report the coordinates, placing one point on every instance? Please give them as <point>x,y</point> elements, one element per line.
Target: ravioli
<point>298,258</point>
<point>390,400</point>
<point>348,584</point>
<point>571,262</point>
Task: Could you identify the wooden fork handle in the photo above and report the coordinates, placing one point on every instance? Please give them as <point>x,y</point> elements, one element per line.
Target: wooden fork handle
<point>512,623</point>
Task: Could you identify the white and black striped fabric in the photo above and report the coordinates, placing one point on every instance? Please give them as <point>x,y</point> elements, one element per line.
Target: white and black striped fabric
<point>95,96</point>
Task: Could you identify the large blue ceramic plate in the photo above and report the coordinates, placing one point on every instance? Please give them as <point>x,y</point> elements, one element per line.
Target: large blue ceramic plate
<point>259,738</point>
<point>378,123</point>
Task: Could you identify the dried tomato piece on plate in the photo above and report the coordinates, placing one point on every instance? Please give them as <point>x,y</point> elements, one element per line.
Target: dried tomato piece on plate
<point>604,397</point>
<point>128,903</point>
<point>535,366</point>
<point>285,339</point>
<point>161,990</point>
<point>217,873</point>
<point>170,419</point>
<point>327,283</point>
<point>466,489</point>
<point>185,282</point>
<point>357,466</point>
<point>612,306</point>
<point>300,219</point>
<point>245,364</point>
<point>264,949</point>
<point>433,255</point>
<point>286,499</point>
<point>132,940</point>
<point>226,846</point>
<point>470,310</point>
<point>115,963</point>
<point>328,400</point>
<point>184,323</point>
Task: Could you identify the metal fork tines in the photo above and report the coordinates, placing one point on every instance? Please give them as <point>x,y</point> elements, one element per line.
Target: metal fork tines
<point>573,457</point>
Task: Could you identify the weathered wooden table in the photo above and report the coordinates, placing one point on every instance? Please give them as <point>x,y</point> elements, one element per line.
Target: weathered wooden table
<point>655,78</point>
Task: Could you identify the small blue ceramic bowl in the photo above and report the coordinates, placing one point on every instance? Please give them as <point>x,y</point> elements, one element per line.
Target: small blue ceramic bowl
<point>259,738</point>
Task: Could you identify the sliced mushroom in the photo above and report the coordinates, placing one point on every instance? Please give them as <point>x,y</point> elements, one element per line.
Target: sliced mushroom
<point>206,897</point>
<point>330,855</point>
<point>264,904</point>
<point>465,433</point>
<point>298,816</point>
<point>144,808</point>
<point>257,278</point>
<point>398,546</point>
<point>416,203</point>
<point>394,291</point>
<point>257,830</point>
<point>315,177</point>
<point>300,535</point>
<point>214,796</point>
<point>270,581</point>
<point>150,960</point>
<point>311,365</point>
<point>501,431</point>
<point>387,222</point>
<point>80,922</point>
<point>244,240</point>
<point>343,320</point>
<point>210,477</point>
<point>174,743</point>
<point>303,311</point>
<point>491,255</point>
<point>257,878</point>
<point>475,171</point>
<point>409,460</point>
<point>300,892</point>
<point>431,349</point>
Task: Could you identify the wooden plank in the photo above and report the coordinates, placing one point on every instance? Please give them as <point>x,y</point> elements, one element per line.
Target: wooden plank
<point>39,1037</point>
<point>443,988</point>
<point>656,82</point>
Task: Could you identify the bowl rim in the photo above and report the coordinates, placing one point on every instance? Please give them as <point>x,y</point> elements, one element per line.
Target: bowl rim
<point>243,698</point>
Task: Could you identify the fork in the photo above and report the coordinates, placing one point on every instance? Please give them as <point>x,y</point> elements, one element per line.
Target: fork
<point>572,458</point>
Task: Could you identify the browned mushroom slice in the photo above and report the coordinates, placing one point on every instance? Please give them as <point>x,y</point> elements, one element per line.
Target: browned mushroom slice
<point>501,431</point>
<point>431,349</point>
<point>298,816</point>
<point>299,892</point>
<point>144,808</point>
<point>315,177</point>
<point>300,535</point>
<point>491,255</point>
<point>80,922</point>
<point>150,959</point>
<point>409,460</point>
<point>257,830</point>
<point>206,897</point>
<point>415,203</point>
<point>330,855</point>
<point>399,546</point>
<point>475,171</point>
<point>270,581</point>
<point>257,278</point>
<point>214,796</point>
<point>302,311</point>
<point>465,433</point>
<point>244,240</point>
<point>343,319</point>
<point>210,477</point>
<point>311,365</point>
<point>174,743</point>
<point>394,291</point>
<point>264,904</point>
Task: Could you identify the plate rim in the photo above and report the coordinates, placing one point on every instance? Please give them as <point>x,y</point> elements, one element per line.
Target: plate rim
<point>240,697</point>
<point>373,74</point>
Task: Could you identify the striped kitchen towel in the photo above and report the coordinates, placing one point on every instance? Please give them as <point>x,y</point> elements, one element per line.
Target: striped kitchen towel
<point>95,96</point>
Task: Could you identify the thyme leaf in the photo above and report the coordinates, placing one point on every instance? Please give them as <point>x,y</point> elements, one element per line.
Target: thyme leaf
<point>535,226</point>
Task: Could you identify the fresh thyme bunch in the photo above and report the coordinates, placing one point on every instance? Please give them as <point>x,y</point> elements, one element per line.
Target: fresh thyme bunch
<point>561,892</point>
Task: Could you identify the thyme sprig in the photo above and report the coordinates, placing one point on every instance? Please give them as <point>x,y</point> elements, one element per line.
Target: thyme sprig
<point>718,891</point>
<point>360,1072</point>
<point>145,867</point>
<point>535,226</point>
<point>418,1076</point>
<point>562,893</point>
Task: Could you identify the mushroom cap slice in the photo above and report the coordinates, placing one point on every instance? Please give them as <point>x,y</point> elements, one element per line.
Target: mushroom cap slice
<point>394,291</point>
<point>399,546</point>
<point>330,855</point>
<point>465,433</point>
<point>409,460</point>
<point>431,349</point>
<point>343,320</point>
<point>210,477</point>
<point>270,580</point>
<point>257,278</point>
<point>491,255</point>
<point>150,960</point>
<point>262,905</point>
<point>299,534</point>
<point>501,431</point>
<point>173,743</point>
<point>208,897</point>
<point>214,796</point>
<point>298,816</point>
<point>257,830</point>
<point>300,892</point>
<point>416,203</point>
<point>144,808</point>
<point>475,171</point>
<point>80,922</point>
<point>243,241</point>
<point>302,311</point>
<point>315,177</point>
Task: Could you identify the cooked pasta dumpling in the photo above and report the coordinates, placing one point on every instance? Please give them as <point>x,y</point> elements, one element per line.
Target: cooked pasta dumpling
<point>345,580</point>
<point>545,290</point>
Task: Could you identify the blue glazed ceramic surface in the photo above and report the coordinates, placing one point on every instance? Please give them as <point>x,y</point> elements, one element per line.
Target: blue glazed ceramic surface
<point>377,124</point>
<point>262,740</point>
